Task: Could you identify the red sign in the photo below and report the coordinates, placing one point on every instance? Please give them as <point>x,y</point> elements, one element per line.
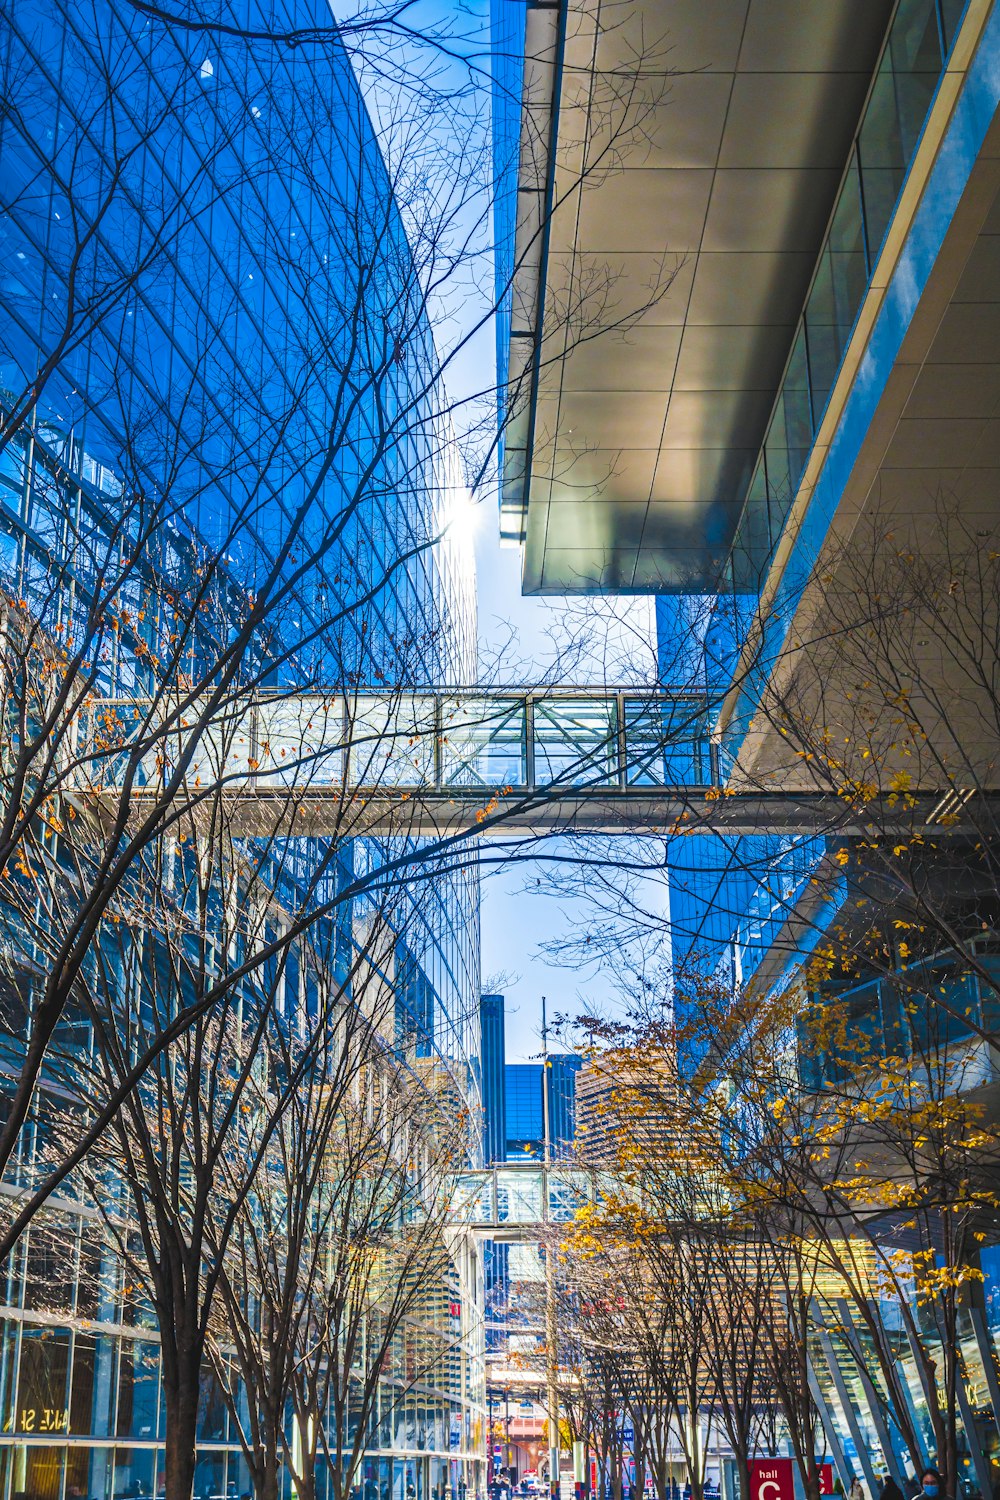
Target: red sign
<point>826,1479</point>
<point>771,1479</point>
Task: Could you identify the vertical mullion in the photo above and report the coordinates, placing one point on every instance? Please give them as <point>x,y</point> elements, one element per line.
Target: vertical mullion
<point>529,741</point>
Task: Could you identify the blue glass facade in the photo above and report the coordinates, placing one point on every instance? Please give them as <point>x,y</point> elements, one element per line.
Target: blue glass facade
<point>728,896</point>
<point>208,295</point>
<point>507,22</point>
<point>493,1059</point>
<point>524,1108</point>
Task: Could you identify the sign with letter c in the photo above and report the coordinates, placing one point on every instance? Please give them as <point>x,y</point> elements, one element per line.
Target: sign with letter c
<point>771,1479</point>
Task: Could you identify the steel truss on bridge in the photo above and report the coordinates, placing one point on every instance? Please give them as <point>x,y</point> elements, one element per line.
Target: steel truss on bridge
<point>507,762</point>
<point>519,1200</point>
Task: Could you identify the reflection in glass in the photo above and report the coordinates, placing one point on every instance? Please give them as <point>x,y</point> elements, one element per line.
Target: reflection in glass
<point>482,742</point>
<point>138,1379</point>
<point>576,742</point>
<point>519,1197</point>
<point>904,88</point>
<point>43,1469</point>
<point>135,1473</point>
<point>666,744</point>
<point>42,1405</point>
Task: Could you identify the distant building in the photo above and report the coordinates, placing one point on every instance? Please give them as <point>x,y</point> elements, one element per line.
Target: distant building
<point>617,1110</point>
<point>525,1117</point>
<point>494,1067</point>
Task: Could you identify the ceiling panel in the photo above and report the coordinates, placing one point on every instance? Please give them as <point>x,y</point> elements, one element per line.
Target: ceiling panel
<point>955,391</point>
<point>773,118</point>
<point>696,417</point>
<point>770,208</point>
<point>822,36</point>
<point>639,359</point>
<point>704,474</point>
<point>685,35</point>
<point>649,208</point>
<point>640,287</point>
<point>745,288</point>
<point>609,526</point>
<point>717,358</point>
<point>688,130</point>
<point>624,418</point>
<point>578,570</point>
<point>729,190</point>
<point>599,474</point>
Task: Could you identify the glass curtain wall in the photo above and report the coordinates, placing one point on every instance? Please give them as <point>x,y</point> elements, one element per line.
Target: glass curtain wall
<point>256,206</point>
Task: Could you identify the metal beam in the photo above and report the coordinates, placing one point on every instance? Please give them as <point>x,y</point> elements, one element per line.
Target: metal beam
<point>311,812</point>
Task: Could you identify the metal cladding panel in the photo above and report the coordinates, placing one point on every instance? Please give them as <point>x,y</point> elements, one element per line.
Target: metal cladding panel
<point>684,243</point>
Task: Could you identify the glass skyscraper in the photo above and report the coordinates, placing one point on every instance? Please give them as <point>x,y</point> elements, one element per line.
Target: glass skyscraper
<point>494,1074</point>
<point>525,1118</point>
<point>209,297</point>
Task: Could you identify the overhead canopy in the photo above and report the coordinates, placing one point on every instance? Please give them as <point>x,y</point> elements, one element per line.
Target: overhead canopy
<point>690,243</point>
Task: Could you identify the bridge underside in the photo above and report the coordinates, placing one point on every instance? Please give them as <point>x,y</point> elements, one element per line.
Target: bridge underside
<point>442,814</point>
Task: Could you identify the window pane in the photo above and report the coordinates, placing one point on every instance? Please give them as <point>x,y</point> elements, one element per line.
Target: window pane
<point>575,741</point>
<point>97,1292</point>
<point>896,112</point>
<point>135,1472</point>
<point>952,11</point>
<point>92,1385</point>
<point>836,293</point>
<point>43,1472</point>
<point>138,1376</point>
<point>482,742</point>
<point>753,543</point>
<point>666,744</point>
<point>42,1405</point>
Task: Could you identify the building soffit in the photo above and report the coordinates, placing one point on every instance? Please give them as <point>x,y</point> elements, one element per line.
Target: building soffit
<point>673,267</point>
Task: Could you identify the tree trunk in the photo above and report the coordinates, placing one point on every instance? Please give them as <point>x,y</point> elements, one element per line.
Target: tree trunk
<point>181,1403</point>
<point>267,1484</point>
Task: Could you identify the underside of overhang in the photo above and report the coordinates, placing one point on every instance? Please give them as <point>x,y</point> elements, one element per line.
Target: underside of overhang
<point>699,148</point>
<point>891,642</point>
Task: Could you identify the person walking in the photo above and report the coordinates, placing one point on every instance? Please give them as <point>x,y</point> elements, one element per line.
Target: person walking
<point>890,1489</point>
<point>930,1485</point>
<point>856,1492</point>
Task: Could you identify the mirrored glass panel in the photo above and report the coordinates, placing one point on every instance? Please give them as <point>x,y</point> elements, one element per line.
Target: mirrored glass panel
<point>576,741</point>
<point>390,743</point>
<point>666,744</point>
<point>482,742</point>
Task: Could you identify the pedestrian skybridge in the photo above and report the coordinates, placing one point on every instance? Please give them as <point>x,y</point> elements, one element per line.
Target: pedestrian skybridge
<point>519,1201</point>
<point>507,762</point>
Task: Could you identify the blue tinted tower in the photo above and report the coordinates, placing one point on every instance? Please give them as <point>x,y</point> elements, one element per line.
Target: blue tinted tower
<point>525,1111</point>
<point>493,1065</point>
<point>252,267</point>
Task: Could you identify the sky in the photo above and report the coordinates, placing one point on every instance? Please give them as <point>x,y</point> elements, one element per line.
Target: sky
<point>516,634</point>
<point>515,922</point>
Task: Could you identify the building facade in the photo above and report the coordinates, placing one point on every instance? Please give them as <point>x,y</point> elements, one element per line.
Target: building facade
<point>525,1107</point>
<point>209,299</point>
<point>494,1069</point>
<point>829,238</point>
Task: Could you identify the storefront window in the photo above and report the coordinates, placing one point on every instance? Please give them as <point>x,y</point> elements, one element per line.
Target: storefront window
<point>138,1379</point>
<point>43,1472</point>
<point>42,1402</point>
<point>97,1292</point>
<point>135,1473</point>
<point>210,1476</point>
<point>50,1266</point>
<point>92,1384</point>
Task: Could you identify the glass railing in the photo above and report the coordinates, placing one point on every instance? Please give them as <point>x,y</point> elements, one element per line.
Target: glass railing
<point>913,60</point>
<point>446,741</point>
<point>899,1014</point>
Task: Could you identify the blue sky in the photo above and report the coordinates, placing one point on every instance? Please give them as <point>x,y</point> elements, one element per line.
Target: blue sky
<point>514,923</point>
<point>518,631</point>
